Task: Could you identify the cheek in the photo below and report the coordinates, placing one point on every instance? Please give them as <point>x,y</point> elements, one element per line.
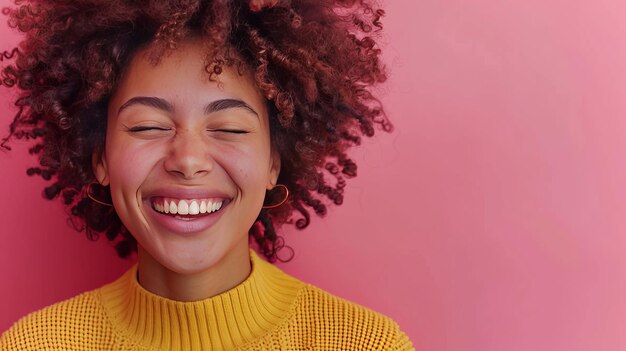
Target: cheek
<point>130,164</point>
<point>246,166</point>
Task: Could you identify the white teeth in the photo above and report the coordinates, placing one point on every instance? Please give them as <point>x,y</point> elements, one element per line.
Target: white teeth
<point>194,209</point>
<point>188,207</point>
<point>183,208</point>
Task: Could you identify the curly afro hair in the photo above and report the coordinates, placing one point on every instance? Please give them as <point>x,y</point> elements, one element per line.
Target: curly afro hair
<point>316,62</point>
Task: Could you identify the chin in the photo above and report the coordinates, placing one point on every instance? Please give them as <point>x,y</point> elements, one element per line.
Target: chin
<point>193,257</point>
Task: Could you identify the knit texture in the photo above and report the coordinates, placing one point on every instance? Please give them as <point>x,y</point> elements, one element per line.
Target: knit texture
<point>270,310</point>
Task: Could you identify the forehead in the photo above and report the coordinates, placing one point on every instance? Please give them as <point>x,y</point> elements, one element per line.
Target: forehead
<point>181,77</point>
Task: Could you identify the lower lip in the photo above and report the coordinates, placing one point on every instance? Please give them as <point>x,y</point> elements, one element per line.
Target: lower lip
<point>189,225</point>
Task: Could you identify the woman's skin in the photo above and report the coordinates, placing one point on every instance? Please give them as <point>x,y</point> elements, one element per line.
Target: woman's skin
<point>173,134</point>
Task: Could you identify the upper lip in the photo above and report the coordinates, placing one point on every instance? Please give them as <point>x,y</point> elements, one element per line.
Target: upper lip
<point>180,193</point>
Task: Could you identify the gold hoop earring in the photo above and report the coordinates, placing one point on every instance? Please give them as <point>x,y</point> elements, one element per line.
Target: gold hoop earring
<point>283,200</point>
<point>89,195</point>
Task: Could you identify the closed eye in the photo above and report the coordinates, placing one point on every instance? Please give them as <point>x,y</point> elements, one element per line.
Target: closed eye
<point>234,131</point>
<point>145,128</point>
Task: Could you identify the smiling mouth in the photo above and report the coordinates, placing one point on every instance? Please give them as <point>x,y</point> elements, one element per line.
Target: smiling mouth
<point>187,209</point>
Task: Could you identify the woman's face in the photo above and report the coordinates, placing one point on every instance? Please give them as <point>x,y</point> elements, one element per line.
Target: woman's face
<point>188,160</point>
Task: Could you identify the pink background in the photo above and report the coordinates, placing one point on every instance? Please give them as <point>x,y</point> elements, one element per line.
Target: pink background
<point>492,219</point>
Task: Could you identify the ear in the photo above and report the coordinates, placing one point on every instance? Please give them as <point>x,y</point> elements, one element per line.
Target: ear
<point>100,168</point>
<point>274,169</point>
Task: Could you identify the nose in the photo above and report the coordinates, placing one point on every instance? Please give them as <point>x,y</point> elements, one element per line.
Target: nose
<point>188,155</point>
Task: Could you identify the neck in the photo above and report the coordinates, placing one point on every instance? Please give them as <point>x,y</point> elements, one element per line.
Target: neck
<point>210,281</point>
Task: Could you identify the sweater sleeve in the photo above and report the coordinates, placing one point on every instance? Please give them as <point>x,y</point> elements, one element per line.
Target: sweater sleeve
<point>402,343</point>
<point>75,324</point>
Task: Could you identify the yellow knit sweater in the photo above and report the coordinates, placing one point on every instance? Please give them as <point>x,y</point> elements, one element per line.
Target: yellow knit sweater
<point>270,310</point>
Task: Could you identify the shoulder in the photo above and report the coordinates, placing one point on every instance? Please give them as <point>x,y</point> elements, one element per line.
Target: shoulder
<point>64,325</point>
<point>340,324</point>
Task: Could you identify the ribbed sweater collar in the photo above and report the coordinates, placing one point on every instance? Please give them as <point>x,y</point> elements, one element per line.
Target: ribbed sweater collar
<point>233,318</point>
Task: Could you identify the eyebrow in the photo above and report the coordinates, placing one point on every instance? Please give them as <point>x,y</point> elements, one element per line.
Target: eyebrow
<point>164,105</point>
<point>224,104</point>
<point>150,101</point>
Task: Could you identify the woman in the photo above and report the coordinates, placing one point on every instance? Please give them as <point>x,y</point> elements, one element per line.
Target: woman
<point>180,130</point>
